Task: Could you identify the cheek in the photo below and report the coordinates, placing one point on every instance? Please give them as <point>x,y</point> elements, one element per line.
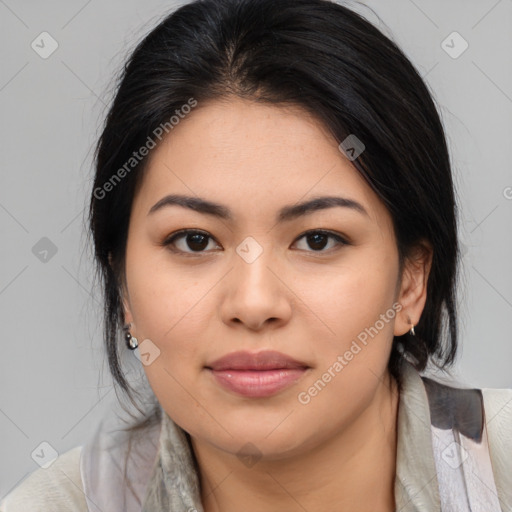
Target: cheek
<point>174,308</point>
<point>162,297</point>
<point>357,307</point>
<point>167,310</point>
<point>170,312</point>
<point>353,296</point>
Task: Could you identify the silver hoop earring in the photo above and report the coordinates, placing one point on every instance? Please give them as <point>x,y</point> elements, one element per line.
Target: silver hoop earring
<point>411,332</point>
<point>131,341</point>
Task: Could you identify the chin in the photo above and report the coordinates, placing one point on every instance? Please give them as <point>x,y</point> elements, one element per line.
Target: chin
<point>255,436</point>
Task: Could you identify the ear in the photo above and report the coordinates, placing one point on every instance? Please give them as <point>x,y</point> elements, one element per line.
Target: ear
<point>125,299</point>
<point>413,287</point>
<point>123,292</point>
<point>127,313</point>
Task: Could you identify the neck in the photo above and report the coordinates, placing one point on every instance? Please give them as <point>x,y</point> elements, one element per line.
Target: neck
<point>354,470</point>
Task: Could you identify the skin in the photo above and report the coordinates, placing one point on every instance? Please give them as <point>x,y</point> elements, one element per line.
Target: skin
<point>337,452</point>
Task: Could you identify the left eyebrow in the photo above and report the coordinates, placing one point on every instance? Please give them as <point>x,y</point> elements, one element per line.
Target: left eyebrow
<point>319,203</point>
<point>287,213</point>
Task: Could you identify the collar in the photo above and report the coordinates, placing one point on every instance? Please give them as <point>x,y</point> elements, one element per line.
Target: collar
<point>416,485</point>
<point>174,484</point>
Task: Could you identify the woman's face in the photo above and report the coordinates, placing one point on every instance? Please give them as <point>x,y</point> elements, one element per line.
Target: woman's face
<point>317,285</point>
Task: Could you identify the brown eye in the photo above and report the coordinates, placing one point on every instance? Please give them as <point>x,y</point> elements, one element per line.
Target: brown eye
<point>188,241</point>
<point>318,240</point>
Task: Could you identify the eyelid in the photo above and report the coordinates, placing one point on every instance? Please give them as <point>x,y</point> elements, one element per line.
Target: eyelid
<point>186,231</point>
<point>340,239</point>
<point>169,240</point>
<point>334,234</point>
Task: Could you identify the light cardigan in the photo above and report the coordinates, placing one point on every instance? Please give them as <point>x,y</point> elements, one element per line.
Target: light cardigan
<point>163,476</point>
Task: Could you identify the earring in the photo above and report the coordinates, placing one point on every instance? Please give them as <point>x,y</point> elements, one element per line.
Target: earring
<point>131,341</point>
<point>411,330</point>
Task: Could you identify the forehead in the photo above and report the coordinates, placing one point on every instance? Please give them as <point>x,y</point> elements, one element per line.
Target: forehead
<point>254,157</point>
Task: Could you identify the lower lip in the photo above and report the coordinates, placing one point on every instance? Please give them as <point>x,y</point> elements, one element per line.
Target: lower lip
<point>258,383</point>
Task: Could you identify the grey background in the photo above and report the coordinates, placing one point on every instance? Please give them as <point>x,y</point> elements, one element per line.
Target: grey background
<point>54,384</point>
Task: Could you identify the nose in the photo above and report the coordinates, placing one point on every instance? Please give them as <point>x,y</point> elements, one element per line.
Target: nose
<point>257,294</point>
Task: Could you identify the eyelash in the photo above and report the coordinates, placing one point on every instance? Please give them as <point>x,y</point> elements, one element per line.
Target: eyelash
<point>182,233</point>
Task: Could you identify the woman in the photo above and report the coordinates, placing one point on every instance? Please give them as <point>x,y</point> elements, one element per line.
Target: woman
<point>274,222</point>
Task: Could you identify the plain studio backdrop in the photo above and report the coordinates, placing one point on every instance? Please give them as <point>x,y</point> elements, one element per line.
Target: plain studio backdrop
<point>58,63</point>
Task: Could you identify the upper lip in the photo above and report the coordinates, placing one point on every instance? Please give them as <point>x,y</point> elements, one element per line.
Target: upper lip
<point>265,360</point>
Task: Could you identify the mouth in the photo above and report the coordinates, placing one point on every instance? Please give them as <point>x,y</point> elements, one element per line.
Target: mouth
<point>256,375</point>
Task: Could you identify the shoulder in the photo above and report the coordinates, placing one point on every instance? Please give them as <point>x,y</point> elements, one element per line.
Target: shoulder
<point>474,412</point>
<point>57,488</point>
<point>498,402</point>
<point>498,417</point>
<point>498,420</point>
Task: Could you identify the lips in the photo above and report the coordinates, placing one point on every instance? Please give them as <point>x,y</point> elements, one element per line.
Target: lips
<point>266,360</point>
<point>256,375</point>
